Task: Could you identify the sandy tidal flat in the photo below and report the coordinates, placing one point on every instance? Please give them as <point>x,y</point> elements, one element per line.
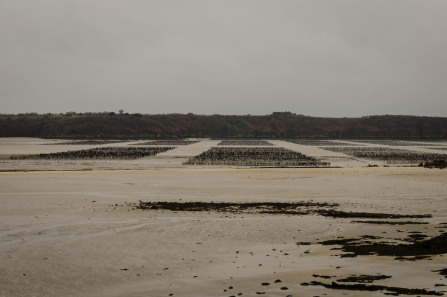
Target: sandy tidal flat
<point>80,234</point>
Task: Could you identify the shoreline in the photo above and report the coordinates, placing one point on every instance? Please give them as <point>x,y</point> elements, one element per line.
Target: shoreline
<point>218,169</point>
<point>281,231</point>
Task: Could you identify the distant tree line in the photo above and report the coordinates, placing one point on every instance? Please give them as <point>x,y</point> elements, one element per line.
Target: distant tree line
<point>275,125</point>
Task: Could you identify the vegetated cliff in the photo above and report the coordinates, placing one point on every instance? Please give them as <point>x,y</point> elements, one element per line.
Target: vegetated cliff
<point>275,125</point>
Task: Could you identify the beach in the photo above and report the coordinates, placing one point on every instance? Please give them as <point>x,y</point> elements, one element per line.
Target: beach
<point>81,233</point>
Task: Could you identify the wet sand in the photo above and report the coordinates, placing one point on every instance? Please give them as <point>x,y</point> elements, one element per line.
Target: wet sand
<point>80,233</point>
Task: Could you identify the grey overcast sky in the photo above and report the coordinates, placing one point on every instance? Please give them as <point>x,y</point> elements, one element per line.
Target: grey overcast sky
<point>318,58</point>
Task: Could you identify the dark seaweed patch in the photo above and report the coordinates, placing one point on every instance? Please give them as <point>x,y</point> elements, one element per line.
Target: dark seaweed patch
<point>441,164</point>
<point>442,272</point>
<point>338,241</point>
<point>255,207</point>
<point>342,214</point>
<point>289,208</point>
<point>433,246</point>
<point>364,279</point>
<point>362,287</point>
<point>390,222</point>
<point>416,237</point>
<point>304,243</point>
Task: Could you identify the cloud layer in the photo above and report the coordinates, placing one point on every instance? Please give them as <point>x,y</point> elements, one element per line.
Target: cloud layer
<point>319,58</point>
